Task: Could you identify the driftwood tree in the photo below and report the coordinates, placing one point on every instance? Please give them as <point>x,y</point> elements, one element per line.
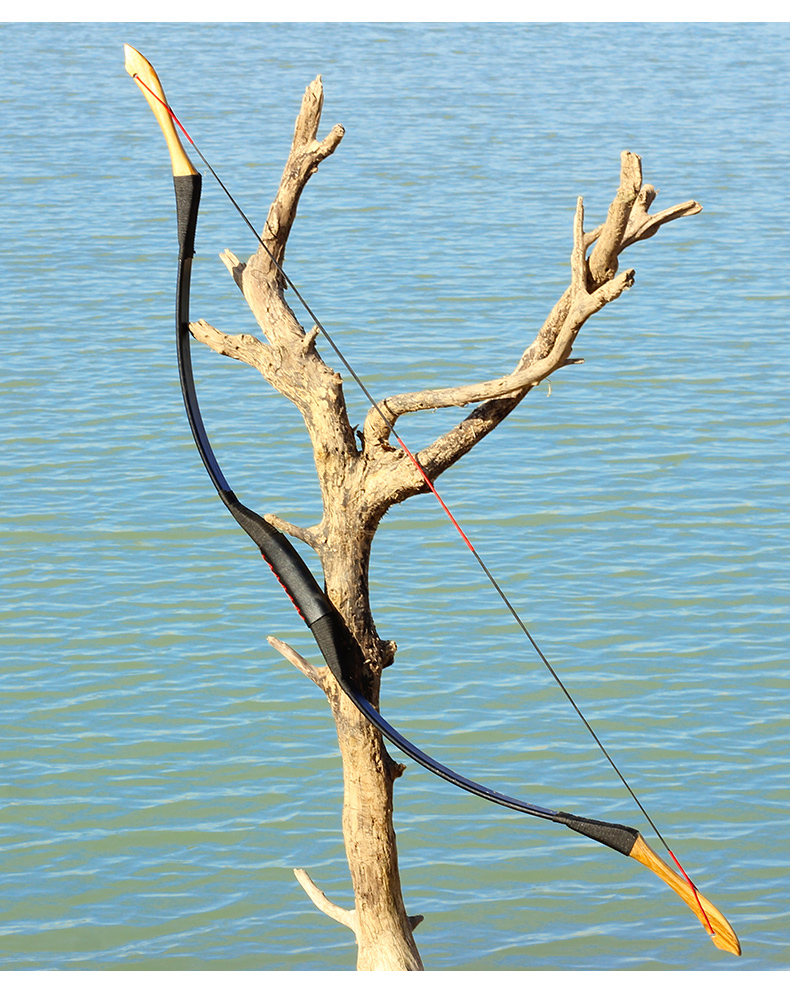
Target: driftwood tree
<point>360,481</point>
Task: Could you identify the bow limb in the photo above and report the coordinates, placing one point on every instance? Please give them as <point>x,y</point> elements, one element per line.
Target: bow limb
<point>335,641</point>
<point>628,841</point>
<point>187,182</point>
<point>287,565</point>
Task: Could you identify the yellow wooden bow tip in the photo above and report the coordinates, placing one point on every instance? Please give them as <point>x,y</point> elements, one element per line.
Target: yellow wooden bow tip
<point>148,83</point>
<point>723,936</point>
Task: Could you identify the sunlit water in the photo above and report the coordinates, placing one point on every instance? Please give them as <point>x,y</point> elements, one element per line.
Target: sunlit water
<point>163,769</point>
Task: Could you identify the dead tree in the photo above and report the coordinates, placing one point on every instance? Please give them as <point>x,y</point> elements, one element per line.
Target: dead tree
<point>359,484</point>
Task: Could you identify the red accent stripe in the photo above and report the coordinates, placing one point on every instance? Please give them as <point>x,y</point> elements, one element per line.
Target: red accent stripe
<point>176,120</point>
<point>694,890</point>
<point>434,490</point>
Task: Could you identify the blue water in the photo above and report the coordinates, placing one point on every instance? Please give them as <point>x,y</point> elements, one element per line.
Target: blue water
<point>163,770</point>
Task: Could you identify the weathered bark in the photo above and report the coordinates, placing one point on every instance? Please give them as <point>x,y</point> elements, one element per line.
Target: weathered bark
<point>358,485</point>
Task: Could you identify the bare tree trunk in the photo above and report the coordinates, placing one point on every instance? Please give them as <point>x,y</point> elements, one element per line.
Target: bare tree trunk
<point>359,484</point>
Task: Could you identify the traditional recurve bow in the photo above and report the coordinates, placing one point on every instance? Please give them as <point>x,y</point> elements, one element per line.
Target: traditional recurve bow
<point>331,634</point>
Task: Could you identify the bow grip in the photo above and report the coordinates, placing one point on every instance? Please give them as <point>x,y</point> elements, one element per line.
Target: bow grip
<point>281,556</point>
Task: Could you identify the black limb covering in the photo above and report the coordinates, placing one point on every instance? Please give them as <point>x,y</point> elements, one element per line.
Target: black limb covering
<point>617,836</point>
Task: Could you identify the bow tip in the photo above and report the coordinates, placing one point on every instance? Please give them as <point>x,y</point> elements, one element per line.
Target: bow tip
<point>727,941</point>
<point>132,60</point>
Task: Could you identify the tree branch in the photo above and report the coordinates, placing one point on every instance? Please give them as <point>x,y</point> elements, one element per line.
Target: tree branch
<point>308,535</point>
<point>594,284</point>
<point>550,351</point>
<point>603,259</point>
<point>347,917</point>
<point>642,226</point>
<point>306,154</point>
<point>246,348</point>
<point>316,674</point>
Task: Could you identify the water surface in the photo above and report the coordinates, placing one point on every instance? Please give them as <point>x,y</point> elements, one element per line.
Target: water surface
<point>163,769</point>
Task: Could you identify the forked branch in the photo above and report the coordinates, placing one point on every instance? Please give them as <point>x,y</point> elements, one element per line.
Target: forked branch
<point>594,283</point>
<point>581,304</point>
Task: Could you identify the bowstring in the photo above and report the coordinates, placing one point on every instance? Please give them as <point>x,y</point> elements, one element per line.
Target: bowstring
<point>388,424</point>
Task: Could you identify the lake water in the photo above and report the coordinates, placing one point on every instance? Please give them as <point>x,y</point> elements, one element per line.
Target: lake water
<point>163,769</point>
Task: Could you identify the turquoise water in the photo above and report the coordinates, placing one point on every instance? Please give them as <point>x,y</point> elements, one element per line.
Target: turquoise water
<point>163,769</point>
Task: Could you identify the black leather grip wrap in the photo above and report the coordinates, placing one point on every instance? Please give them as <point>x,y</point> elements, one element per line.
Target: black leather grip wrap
<point>336,646</point>
<point>616,836</point>
<point>187,203</point>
